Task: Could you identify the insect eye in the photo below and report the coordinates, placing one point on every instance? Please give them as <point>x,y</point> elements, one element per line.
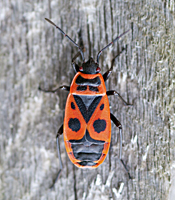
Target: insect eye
<point>98,69</point>
<point>81,69</point>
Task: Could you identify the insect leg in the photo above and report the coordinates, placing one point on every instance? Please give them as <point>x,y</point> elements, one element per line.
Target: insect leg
<point>63,87</point>
<point>75,66</point>
<point>108,73</point>
<point>60,132</point>
<point>49,90</point>
<point>113,92</point>
<point>118,124</point>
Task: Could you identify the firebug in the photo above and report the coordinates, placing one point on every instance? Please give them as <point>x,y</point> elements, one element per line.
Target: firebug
<point>87,121</point>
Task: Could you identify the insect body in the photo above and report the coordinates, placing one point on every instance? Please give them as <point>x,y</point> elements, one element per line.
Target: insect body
<point>87,122</point>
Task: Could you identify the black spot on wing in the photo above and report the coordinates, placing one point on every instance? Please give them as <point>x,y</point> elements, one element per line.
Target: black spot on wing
<point>99,125</point>
<point>102,106</point>
<point>72,105</point>
<point>74,124</point>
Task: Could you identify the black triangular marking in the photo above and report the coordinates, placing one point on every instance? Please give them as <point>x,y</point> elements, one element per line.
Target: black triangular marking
<point>87,105</point>
<point>87,100</point>
<point>93,106</point>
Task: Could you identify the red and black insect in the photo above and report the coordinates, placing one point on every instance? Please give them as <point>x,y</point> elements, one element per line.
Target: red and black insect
<point>87,122</point>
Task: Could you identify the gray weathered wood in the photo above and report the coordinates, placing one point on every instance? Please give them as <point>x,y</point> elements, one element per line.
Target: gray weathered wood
<point>33,53</point>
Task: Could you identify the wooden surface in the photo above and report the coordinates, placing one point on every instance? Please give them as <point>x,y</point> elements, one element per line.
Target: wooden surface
<point>33,53</point>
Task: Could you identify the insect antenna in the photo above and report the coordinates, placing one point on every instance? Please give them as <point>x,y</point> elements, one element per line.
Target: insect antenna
<point>67,37</point>
<point>117,38</point>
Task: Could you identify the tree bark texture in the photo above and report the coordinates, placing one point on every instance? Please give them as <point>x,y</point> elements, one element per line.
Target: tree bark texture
<point>33,53</point>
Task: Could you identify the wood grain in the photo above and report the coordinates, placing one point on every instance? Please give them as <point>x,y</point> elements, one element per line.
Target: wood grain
<point>34,53</point>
